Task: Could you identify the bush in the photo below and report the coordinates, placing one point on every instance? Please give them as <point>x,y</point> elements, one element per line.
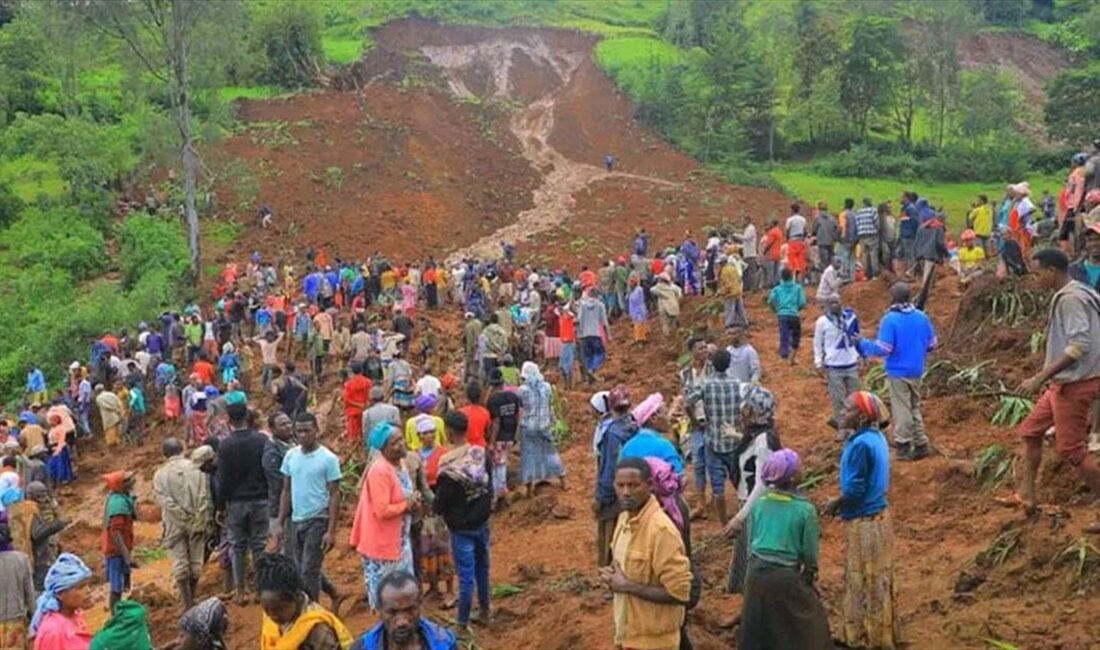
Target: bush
<point>151,246</point>
<point>10,204</point>
<point>56,239</point>
<point>288,39</point>
<point>865,162</point>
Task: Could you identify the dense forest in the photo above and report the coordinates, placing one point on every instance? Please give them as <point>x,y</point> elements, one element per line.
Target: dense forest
<point>99,98</point>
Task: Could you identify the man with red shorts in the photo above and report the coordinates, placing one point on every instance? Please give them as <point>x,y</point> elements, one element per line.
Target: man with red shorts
<point>796,243</point>
<point>1072,368</point>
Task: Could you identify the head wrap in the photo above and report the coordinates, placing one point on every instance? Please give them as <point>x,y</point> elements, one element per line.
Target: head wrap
<point>619,396</point>
<point>207,622</point>
<point>871,406</point>
<point>425,424</point>
<point>202,455</point>
<point>228,348</point>
<point>380,435</point>
<point>67,572</point>
<point>115,481</point>
<point>780,467</point>
<point>758,406</point>
<point>236,397</point>
<point>667,486</point>
<point>647,407</point>
<point>448,381</point>
<point>11,495</point>
<point>425,402</point>
<point>599,402</point>
<point>530,372</point>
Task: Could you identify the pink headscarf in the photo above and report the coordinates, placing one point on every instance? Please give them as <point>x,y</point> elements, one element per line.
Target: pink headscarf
<point>667,485</point>
<point>647,407</point>
<point>780,467</point>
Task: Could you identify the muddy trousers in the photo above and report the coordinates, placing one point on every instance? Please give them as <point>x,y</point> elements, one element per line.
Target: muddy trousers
<point>842,382</point>
<point>246,527</point>
<point>905,406</point>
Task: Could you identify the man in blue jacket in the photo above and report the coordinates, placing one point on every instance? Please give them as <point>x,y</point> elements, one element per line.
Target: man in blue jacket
<point>402,625</point>
<point>905,336</point>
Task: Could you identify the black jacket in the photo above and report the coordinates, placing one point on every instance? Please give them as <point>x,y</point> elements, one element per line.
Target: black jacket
<point>463,510</point>
<point>240,467</point>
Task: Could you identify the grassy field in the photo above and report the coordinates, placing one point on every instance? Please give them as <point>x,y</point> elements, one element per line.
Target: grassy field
<point>628,58</point>
<point>954,197</point>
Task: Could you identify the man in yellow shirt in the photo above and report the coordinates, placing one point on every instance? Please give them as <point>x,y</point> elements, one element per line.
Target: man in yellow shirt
<point>730,289</point>
<point>980,220</point>
<point>650,575</point>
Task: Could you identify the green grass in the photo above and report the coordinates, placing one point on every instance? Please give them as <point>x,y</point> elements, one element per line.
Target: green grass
<point>341,50</point>
<point>231,93</point>
<point>954,197</point>
<point>220,234</point>
<point>31,177</point>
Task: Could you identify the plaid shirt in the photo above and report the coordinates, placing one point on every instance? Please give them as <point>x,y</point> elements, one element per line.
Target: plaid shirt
<point>867,222</point>
<point>536,414</point>
<point>721,397</point>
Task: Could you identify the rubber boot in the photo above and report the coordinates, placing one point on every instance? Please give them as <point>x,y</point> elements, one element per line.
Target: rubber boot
<point>187,597</point>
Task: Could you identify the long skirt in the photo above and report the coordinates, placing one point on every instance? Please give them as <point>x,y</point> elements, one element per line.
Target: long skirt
<point>501,451</point>
<point>436,562</point>
<point>551,347</point>
<point>739,565</point>
<point>374,570</point>
<point>781,610</point>
<point>539,458</point>
<point>60,467</point>
<point>870,620</point>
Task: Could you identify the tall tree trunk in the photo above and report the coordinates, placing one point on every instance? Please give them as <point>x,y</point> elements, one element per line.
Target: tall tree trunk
<point>179,54</point>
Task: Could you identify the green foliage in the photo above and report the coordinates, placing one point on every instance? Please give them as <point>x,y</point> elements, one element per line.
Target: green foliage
<point>23,77</point>
<point>56,239</point>
<point>867,65</point>
<point>992,103</point>
<point>1072,97</point>
<point>1003,12</point>
<point>287,39</point>
<point>148,244</point>
<point>10,204</point>
<point>993,466</point>
<point>1012,411</point>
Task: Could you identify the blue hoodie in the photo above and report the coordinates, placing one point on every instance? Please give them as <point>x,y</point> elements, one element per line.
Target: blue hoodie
<point>864,474</point>
<point>905,336</point>
<point>436,637</point>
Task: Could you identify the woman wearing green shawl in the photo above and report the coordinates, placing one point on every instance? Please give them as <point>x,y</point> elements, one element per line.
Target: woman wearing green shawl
<point>127,628</point>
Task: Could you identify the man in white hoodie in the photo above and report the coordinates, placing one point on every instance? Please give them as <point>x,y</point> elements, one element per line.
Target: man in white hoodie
<point>836,355</point>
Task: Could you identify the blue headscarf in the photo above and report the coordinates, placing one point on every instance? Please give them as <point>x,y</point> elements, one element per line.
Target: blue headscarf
<point>380,435</point>
<point>67,572</point>
<point>10,496</point>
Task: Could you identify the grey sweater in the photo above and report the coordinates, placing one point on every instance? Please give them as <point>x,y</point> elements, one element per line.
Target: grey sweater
<point>1074,320</point>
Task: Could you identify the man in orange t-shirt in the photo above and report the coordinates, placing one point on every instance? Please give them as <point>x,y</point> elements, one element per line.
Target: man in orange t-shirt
<point>356,398</point>
<point>204,369</point>
<point>771,249</point>
<point>477,415</point>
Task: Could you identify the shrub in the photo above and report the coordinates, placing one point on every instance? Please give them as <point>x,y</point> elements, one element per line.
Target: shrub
<point>57,239</point>
<point>148,245</point>
<point>288,39</point>
<point>10,204</point>
<point>865,162</point>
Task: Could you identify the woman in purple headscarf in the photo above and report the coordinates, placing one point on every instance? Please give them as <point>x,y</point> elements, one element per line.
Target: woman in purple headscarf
<point>782,608</point>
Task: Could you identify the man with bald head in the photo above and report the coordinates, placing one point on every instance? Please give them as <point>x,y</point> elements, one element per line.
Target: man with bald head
<point>905,336</point>
<point>183,494</point>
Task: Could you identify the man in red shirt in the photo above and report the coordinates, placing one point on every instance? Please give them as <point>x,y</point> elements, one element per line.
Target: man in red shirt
<point>567,330</point>
<point>356,397</point>
<point>477,416</point>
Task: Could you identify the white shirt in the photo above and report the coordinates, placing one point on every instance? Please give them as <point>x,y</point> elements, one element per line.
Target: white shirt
<point>428,385</point>
<point>748,242</point>
<point>829,287</point>
<point>832,349</point>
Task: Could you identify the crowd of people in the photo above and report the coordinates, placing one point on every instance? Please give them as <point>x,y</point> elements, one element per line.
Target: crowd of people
<point>249,476</point>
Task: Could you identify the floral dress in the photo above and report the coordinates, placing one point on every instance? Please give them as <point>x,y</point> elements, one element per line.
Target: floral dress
<point>375,570</point>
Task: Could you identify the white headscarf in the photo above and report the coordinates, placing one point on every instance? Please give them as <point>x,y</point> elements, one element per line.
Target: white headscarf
<point>530,372</point>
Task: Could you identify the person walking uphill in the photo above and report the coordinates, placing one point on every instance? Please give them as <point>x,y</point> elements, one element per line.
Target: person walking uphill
<point>905,337</point>
<point>464,498</point>
<point>787,300</point>
<point>311,500</point>
<point>650,574</point>
<point>592,326</point>
<point>781,607</point>
<point>730,290</point>
<point>183,494</point>
<point>242,493</point>
<point>119,513</point>
<point>869,605</point>
<point>1071,368</point>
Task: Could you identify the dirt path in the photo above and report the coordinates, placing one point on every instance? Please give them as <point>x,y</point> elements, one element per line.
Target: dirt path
<point>532,126</point>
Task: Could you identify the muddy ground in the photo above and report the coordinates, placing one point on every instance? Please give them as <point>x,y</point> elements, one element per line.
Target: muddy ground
<point>451,139</point>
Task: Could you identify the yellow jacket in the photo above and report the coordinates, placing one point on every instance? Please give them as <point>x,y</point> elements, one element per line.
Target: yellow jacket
<point>649,549</point>
<point>729,281</point>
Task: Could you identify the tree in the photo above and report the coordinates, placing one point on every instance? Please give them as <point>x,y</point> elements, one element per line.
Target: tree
<point>992,103</point>
<point>867,68</point>
<point>288,39</point>
<point>10,204</point>
<point>22,71</point>
<point>1003,12</point>
<point>161,34</point>
<point>815,53</point>
<point>1072,97</point>
<point>943,24</point>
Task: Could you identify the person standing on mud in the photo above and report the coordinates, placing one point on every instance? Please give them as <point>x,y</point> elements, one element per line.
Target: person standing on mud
<point>242,492</point>
<point>720,395</point>
<point>183,494</point>
<point>836,356</point>
<point>1072,368</point>
<point>592,326</point>
<point>905,337</point>
<point>749,248</point>
<point>619,429</point>
<point>650,573</point>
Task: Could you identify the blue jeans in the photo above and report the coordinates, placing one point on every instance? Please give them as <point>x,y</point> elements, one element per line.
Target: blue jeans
<point>699,460</point>
<point>720,467</point>
<point>470,549</point>
<point>790,331</point>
